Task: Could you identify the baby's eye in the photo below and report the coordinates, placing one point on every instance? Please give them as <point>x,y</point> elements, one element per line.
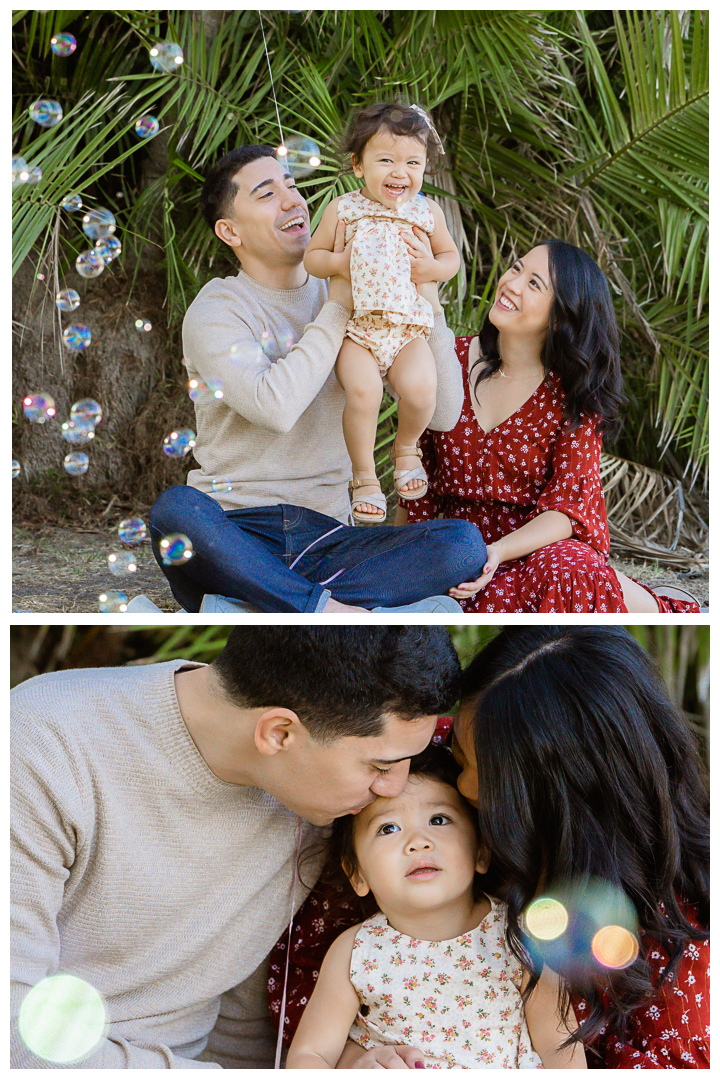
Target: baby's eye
<point>387,829</point>
<point>440,819</point>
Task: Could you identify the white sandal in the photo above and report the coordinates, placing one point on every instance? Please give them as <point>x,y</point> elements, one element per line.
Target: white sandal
<point>375,498</point>
<point>402,477</point>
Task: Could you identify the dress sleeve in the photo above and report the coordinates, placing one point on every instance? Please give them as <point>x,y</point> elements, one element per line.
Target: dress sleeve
<point>574,487</point>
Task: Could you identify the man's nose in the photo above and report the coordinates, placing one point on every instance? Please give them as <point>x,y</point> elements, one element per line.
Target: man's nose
<point>391,784</point>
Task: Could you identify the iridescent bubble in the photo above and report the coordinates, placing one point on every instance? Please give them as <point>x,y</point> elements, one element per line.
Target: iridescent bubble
<point>108,248</point>
<point>86,410</point>
<point>62,1019</point>
<point>179,443</point>
<point>41,277</point>
<point>147,327</point>
<point>176,549</point>
<point>546,918</point>
<point>63,44</point>
<point>246,352</point>
<point>76,463</point>
<point>138,324</point>
<point>166,56</point>
<point>147,127</point>
<point>46,113</point>
<point>615,947</point>
<point>77,337</point>
<point>72,203</point>
<point>302,155</point>
<point>38,408</point>
<point>20,171</point>
<point>132,530</point>
<point>89,264</point>
<point>67,300</point>
<point>99,222</point>
<point>221,487</point>
<point>78,432</point>
<point>35,175</point>
<point>203,393</point>
<point>16,469</point>
<point>112,600</point>
<point>122,563</point>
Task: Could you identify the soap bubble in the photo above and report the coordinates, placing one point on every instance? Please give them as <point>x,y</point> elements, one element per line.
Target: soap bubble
<point>132,530</point>
<point>246,352</point>
<point>35,175</point>
<point>89,264</point>
<point>121,563</point>
<point>99,222</point>
<point>112,600</point>
<point>62,1019</point>
<point>221,487</point>
<point>615,947</point>
<point>179,443</point>
<point>78,432</point>
<point>20,171</point>
<point>138,324</point>
<point>67,300</point>
<point>166,56</point>
<point>546,918</point>
<point>76,463</point>
<point>108,248</point>
<point>147,127</point>
<point>72,203</point>
<point>86,410</point>
<point>38,408</point>
<point>202,393</point>
<point>176,549</point>
<point>301,154</point>
<point>46,113</point>
<point>16,469</point>
<point>77,337</point>
<point>147,326</point>
<point>63,44</point>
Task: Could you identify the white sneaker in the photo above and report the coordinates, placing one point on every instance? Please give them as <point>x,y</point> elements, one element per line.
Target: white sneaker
<point>212,603</point>
<point>430,603</point>
<point>142,603</point>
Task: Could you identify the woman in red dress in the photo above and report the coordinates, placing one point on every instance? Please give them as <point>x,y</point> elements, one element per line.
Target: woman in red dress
<point>542,386</point>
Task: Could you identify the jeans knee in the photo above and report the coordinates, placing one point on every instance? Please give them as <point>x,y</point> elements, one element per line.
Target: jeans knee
<point>465,546</point>
<point>174,503</point>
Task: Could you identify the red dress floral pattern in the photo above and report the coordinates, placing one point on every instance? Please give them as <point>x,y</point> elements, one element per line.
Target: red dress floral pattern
<point>501,479</point>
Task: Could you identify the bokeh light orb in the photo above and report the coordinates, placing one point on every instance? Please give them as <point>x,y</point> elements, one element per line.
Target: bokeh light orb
<point>166,56</point>
<point>108,248</point>
<point>76,463</point>
<point>111,601</point>
<point>46,113</point>
<point>38,408</point>
<point>546,918</point>
<point>72,203</point>
<point>176,549</point>
<point>615,947</point>
<point>62,1019</point>
<point>179,443</point>
<point>77,337</point>
<point>132,530</point>
<point>67,300</point>
<point>204,393</point>
<point>87,409</point>
<point>78,432</point>
<point>147,127</point>
<point>20,171</point>
<point>63,44</point>
<point>98,222</point>
<point>89,264</point>
<point>302,155</point>
<point>122,563</point>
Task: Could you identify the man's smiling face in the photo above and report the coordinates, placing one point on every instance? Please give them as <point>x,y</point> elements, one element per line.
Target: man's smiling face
<point>269,215</point>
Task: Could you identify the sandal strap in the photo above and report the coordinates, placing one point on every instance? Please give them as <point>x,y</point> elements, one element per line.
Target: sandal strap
<point>378,499</point>
<point>404,476</point>
<point>363,481</point>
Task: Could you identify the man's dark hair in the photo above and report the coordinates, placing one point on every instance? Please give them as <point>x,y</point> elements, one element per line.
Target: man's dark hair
<point>341,680</point>
<point>219,191</point>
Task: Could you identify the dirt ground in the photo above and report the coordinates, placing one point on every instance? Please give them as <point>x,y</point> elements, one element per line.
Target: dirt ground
<point>58,569</point>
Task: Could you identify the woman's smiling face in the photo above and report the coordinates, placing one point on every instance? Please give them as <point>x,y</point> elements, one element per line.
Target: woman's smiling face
<point>525,295</point>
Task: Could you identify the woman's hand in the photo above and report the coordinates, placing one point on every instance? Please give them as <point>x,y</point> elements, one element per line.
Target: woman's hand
<point>467,589</point>
<point>422,260</point>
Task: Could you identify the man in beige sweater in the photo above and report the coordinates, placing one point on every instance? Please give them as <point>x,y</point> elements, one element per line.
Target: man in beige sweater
<point>268,510</point>
<point>158,811</point>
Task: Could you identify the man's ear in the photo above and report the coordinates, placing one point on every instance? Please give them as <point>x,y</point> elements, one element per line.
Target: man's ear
<point>483,860</point>
<point>356,879</point>
<point>228,232</point>
<point>276,730</point>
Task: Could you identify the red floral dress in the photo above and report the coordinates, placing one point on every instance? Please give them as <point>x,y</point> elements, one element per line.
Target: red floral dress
<point>503,478</point>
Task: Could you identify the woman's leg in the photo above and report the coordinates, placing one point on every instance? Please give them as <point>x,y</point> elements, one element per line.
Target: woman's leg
<point>413,377</point>
<point>636,598</point>
<point>358,374</point>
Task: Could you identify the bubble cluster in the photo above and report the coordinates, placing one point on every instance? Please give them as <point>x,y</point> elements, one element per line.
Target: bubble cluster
<point>132,530</point>
<point>46,113</point>
<point>108,248</point>
<point>72,203</point>
<point>78,432</point>
<point>38,408</point>
<point>147,127</point>
<point>20,171</point>
<point>89,264</point>
<point>221,487</point>
<point>62,1019</point>
<point>63,44</point>
<point>76,463</point>
<point>67,300</point>
<point>179,443</point>
<point>176,549</point>
<point>203,393</point>
<point>301,154</point>
<point>15,469</point>
<point>77,337</point>
<point>98,222</point>
<point>121,563</point>
<point>86,410</point>
<point>111,601</point>
<point>166,56</point>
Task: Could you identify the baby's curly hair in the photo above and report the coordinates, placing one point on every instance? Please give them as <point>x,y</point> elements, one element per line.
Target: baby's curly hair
<point>398,119</point>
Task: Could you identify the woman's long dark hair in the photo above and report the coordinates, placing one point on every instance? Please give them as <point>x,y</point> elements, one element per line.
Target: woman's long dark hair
<point>586,769</point>
<point>582,344</point>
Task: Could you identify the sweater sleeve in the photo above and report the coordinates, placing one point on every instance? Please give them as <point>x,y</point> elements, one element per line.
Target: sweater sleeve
<point>219,344</point>
<point>449,377</point>
<point>51,822</point>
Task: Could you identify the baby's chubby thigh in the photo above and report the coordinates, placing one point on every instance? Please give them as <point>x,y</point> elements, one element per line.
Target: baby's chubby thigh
<point>413,373</point>
<point>358,373</point>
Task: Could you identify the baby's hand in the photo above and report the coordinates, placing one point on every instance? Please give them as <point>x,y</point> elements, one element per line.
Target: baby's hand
<point>422,260</point>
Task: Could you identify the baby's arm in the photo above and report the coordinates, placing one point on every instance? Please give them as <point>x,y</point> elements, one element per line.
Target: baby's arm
<point>547,1030</point>
<point>323,1029</point>
<point>445,261</point>
<point>320,259</point>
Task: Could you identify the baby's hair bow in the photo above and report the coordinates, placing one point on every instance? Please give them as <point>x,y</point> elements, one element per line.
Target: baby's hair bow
<point>428,121</point>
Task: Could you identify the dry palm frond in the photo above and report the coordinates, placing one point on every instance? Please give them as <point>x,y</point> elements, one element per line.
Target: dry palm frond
<point>651,516</point>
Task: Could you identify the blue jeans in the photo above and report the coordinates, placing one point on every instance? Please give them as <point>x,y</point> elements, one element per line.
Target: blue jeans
<point>287,558</point>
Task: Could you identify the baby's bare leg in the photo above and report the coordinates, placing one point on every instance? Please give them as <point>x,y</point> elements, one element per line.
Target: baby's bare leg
<point>358,374</point>
<point>413,377</point>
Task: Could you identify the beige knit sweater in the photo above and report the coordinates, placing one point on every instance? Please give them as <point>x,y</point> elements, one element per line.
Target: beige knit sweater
<point>135,868</point>
<point>276,435</point>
